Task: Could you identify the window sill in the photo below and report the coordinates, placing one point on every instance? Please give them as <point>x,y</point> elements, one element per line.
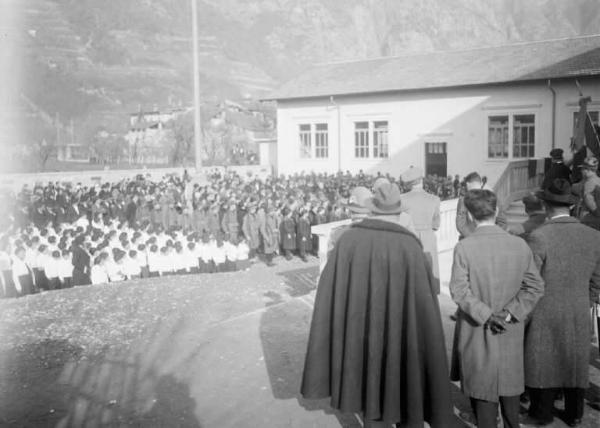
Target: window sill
<point>508,160</point>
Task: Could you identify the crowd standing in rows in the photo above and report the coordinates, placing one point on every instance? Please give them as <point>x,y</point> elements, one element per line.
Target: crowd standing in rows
<point>60,235</point>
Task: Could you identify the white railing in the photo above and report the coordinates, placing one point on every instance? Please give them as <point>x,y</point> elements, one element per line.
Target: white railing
<point>447,235</point>
<point>516,180</point>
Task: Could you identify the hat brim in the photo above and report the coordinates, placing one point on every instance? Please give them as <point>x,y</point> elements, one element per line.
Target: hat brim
<point>544,195</point>
<point>376,207</point>
<point>357,209</point>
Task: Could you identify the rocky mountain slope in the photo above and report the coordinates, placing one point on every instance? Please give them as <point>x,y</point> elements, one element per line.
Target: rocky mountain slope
<point>94,61</point>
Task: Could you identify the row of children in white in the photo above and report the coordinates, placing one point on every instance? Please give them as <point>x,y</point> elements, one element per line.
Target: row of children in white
<point>54,267</point>
<point>167,260</point>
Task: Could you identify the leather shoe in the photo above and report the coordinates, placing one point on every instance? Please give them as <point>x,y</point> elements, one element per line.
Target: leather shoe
<point>574,422</point>
<point>531,421</point>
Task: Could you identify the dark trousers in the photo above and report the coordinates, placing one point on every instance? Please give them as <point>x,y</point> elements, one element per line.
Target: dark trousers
<point>542,403</point>
<point>67,282</point>
<point>486,412</point>
<point>27,286</point>
<point>54,284</point>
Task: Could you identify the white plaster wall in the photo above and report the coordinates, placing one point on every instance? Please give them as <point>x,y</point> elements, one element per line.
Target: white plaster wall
<point>457,116</point>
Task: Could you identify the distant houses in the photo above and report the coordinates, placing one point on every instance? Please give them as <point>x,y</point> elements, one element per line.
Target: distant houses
<point>233,133</point>
<point>148,135</point>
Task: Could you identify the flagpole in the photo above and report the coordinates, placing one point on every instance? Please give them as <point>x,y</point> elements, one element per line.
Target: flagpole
<point>197,120</point>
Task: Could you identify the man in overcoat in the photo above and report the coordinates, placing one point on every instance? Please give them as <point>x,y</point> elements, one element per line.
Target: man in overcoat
<point>251,229</point>
<point>288,233</point>
<point>229,223</point>
<point>495,284</point>
<point>557,343</point>
<point>303,234</point>
<point>376,344</point>
<point>424,210</point>
<point>270,233</point>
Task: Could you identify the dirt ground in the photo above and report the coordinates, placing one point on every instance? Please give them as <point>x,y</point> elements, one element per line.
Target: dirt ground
<point>222,350</point>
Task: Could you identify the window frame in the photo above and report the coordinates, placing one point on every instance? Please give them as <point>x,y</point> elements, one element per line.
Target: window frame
<point>314,137</point>
<point>511,114</point>
<point>324,136</point>
<point>370,151</point>
<point>377,147</point>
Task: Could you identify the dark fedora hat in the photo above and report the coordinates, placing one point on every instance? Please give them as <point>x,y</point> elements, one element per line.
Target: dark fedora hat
<point>558,192</point>
<point>386,198</point>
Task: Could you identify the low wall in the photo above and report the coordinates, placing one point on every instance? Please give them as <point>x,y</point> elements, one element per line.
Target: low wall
<point>447,235</point>
<point>16,181</point>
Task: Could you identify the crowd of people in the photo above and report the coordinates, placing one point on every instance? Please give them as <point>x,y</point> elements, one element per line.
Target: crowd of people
<point>57,235</point>
<point>525,295</point>
<point>523,291</point>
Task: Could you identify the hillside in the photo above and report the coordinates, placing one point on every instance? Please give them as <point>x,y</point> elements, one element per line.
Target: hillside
<point>94,61</point>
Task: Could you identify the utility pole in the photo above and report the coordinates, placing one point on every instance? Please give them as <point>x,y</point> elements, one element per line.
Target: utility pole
<point>197,121</point>
<point>57,122</point>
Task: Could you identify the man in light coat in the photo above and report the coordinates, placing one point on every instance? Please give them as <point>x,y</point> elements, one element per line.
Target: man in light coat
<point>424,210</point>
<point>496,285</point>
<point>557,344</point>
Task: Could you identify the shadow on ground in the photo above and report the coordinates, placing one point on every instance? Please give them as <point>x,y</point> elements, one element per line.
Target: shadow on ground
<point>299,282</point>
<point>50,384</point>
<point>284,336</point>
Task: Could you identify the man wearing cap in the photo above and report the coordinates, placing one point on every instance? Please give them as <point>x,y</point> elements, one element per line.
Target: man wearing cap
<point>558,169</point>
<point>495,284</point>
<point>424,210</point>
<point>557,343</point>
<point>376,344</point>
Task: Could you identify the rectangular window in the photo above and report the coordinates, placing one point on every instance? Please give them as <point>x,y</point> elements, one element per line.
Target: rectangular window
<point>321,140</point>
<point>498,137</point>
<point>524,136</point>
<point>361,139</point>
<point>305,141</point>
<point>380,139</point>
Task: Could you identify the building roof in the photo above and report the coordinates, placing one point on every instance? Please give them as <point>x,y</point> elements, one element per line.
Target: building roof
<point>541,60</point>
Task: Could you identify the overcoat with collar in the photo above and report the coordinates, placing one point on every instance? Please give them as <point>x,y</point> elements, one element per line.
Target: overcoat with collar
<point>376,342</point>
<point>492,271</point>
<point>557,343</point>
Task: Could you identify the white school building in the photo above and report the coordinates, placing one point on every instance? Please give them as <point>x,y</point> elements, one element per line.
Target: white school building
<point>447,112</point>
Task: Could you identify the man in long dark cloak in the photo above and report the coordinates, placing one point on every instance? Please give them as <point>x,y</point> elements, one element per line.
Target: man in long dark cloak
<point>376,343</point>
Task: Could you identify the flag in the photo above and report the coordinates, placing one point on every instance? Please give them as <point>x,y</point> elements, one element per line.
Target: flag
<point>582,117</point>
<point>585,138</point>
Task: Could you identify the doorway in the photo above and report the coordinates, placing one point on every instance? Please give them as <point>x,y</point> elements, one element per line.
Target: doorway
<point>436,159</point>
